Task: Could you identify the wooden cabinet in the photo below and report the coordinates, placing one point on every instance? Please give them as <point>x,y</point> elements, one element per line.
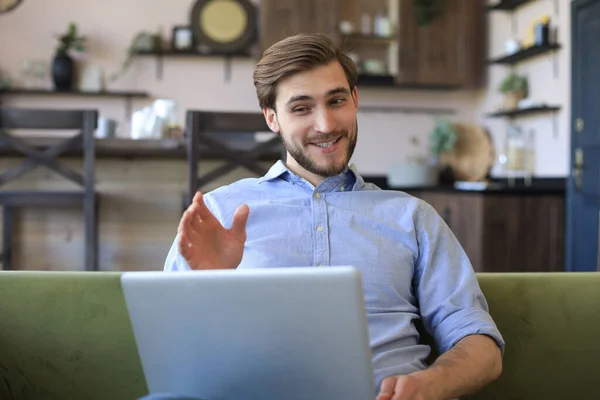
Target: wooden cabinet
<point>505,232</point>
<point>447,51</point>
<point>282,18</point>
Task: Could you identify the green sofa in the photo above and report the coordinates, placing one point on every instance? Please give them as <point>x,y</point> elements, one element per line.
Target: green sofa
<point>66,335</point>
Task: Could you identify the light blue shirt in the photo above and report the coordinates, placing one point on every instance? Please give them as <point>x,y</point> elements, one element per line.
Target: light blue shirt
<point>412,265</point>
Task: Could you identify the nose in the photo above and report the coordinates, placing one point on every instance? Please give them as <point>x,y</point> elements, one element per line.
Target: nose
<point>325,121</point>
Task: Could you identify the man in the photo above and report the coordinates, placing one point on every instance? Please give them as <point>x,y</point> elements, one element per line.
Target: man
<point>315,209</point>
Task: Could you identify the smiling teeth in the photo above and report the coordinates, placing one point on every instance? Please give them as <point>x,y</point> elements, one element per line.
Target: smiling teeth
<point>326,144</point>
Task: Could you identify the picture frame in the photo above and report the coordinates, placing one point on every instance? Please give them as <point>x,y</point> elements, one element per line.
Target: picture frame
<point>182,38</point>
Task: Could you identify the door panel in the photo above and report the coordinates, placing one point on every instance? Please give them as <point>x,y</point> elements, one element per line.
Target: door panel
<point>583,190</point>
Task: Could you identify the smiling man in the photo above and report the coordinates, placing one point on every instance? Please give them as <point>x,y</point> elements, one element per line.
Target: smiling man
<point>315,209</point>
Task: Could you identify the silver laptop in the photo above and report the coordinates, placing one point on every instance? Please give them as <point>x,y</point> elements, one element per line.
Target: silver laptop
<point>252,334</point>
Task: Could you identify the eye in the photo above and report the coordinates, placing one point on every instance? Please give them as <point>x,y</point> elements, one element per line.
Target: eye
<point>300,110</point>
<point>338,101</point>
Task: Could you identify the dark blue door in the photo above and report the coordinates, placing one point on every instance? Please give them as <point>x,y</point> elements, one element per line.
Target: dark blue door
<point>583,189</point>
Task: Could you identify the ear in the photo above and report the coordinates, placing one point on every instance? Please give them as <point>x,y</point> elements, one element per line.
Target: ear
<point>355,97</point>
<point>271,118</point>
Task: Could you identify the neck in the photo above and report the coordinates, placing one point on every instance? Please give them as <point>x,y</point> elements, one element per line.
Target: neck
<point>293,166</point>
<point>314,179</point>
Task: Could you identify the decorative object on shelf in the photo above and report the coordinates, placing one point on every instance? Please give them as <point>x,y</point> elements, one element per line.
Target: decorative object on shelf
<point>346,27</point>
<point>224,26</point>
<point>107,128</point>
<point>9,5</point>
<point>91,79</point>
<point>518,159</point>
<point>512,46</point>
<point>541,34</point>
<point>538,33</point>
<point>156,121</point>
<point>427,10</point>
<point>418,170</point>
<point>141,42</point>
<point>182,38</point>
<point>63,66</point>
<point>472,154</point>
<point>514,88</point>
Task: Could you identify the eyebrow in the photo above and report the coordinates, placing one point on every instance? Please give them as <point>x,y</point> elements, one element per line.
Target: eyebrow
<point>301,97</point>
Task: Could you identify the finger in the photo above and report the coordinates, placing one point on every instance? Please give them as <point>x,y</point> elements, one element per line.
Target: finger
<point>184,221</point>
<point>404,390</point>
<point>195,221</point>
<point>240,218</point>
<point>387,388</point>
<point>187,250</point>
<point>201,208</point>
<point>189,240</point>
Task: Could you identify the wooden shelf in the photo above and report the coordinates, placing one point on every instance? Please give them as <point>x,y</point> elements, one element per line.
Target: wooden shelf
<point>368,39</point>
<point>174,149</point>
<point>523,111</point>
<point>389,81</point>
<point>524,54</point>
<point>507,5</point>
<point>189,53</point>
<point>50,92</point>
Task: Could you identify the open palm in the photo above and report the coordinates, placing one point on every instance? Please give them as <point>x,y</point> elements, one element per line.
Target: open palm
<point>205,244</point>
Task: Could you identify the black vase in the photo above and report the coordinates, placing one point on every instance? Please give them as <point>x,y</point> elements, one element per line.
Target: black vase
<point>62,72</point>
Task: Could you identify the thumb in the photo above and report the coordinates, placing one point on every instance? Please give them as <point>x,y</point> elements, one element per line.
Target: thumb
<point>240,217</point>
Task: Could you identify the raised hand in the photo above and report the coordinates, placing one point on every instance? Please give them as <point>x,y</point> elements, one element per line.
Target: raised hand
<point>205,244</point>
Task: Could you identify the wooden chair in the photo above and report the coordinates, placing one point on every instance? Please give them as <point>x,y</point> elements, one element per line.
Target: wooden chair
<point>202,127</point>
<point>37,119</point>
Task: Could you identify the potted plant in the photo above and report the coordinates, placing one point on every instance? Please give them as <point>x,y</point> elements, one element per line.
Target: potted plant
<point>63,68</point>
<point>514,88</point>
<point>441,138</point>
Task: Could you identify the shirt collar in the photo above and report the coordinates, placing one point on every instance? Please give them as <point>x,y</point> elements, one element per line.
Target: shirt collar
<point>350,179</point>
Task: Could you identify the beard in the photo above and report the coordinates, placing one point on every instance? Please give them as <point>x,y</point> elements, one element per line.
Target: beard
<point>301,156</point>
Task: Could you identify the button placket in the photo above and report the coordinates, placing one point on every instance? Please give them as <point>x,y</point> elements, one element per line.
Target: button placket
<point>320,233</point>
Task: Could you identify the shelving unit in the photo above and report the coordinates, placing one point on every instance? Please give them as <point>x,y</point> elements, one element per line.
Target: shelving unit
<point>127,95</point>
<point>525,54</point>
<point>508,5</point>
<point>528,111</point>
<point>519,112</point>
<point>370,39</point>
<point>160,55</point>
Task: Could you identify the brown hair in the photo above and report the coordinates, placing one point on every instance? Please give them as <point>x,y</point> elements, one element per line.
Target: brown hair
<point>296,54</point>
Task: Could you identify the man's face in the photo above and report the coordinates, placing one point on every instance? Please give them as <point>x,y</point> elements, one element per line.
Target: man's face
<point>316,118</point>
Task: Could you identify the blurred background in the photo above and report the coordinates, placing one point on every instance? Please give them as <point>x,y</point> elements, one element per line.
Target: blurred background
<point>474,106</point>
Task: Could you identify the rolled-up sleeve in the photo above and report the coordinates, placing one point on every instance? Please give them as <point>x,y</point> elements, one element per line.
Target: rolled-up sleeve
<point>451,302</point>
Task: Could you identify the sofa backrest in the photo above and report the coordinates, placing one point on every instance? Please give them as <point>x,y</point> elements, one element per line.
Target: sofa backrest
<point>551,325</point>
<point>67,335</point>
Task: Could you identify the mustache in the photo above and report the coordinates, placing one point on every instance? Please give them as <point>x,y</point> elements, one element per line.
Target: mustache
<point>325,137</point>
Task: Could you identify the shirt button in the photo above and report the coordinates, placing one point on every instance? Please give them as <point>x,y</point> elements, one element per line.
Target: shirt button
<point>320,228</point>
<point>318,195</point>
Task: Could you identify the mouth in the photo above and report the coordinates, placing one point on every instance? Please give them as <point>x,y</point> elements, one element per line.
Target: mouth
<point>327,144</point>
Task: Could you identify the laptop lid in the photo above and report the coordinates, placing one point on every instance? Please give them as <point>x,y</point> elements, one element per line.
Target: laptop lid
<point>252,334</point>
